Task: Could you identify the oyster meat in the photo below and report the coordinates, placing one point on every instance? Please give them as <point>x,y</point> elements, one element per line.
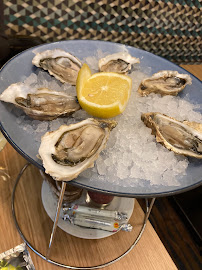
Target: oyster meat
<point>166,82</point>
<point>118,62</point>
<point>62,65</point>
<point>68,151</point>
<point>40,103</point>
<point>183,138</point>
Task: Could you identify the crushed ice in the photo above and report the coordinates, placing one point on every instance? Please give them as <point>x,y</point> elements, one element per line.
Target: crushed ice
<point>132,156</point>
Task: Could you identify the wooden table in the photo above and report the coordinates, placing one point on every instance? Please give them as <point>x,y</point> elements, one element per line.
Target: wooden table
<point>36,225</point>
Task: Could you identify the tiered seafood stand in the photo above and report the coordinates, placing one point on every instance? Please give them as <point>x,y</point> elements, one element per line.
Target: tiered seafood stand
<point>17,69</point>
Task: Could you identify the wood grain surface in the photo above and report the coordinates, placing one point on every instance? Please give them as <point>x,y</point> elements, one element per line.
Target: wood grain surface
<point>36,225</point>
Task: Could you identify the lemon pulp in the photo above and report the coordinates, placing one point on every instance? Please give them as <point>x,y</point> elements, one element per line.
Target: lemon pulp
<point>103,94</point>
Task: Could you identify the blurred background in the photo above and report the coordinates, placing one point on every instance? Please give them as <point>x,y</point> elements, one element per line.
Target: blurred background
<point>171,29</point>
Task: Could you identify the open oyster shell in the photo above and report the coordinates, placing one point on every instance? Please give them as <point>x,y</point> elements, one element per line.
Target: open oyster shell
<point>62,65</point>
<point>121,62</point>
<point>166,82</point>
<point>40,103</point>
<point>183,138</point>
<point>68,151</point>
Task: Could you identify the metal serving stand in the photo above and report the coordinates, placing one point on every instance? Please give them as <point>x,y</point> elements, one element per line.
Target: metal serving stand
<point>20,67</point>
<point>51,241</point>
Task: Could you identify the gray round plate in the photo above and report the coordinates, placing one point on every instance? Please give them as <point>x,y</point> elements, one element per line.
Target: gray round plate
<point>20,67</point>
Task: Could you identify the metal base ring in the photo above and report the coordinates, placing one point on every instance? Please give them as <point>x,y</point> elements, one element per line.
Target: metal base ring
<point>147,213</point>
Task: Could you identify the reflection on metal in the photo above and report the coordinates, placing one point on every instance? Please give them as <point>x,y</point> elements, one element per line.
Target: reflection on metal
<point>147,213</point>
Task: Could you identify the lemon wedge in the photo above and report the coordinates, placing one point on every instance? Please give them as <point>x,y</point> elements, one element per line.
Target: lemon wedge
<point>103,94</point>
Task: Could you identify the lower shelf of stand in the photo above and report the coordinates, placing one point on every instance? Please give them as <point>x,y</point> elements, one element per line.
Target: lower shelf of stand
<point>49,201</point>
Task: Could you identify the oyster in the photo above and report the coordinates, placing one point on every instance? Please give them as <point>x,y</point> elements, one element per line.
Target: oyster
<point>40,103</point>
<point>62,65</point>
<point>71,149</point>
<point>166,82</point>
<point>183,138</point>
<point>119,62</point>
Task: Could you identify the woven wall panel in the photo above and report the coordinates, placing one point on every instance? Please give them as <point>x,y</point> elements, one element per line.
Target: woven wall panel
<point>171,29</point>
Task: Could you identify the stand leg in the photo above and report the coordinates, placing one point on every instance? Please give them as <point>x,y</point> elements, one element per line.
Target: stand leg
<point>149,209</point>
<point>59,205</point>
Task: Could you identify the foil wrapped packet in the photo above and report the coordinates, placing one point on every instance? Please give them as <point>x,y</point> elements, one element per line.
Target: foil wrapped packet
<point>85,210</point>
<point>17,258</point>
<point>106,220</point>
